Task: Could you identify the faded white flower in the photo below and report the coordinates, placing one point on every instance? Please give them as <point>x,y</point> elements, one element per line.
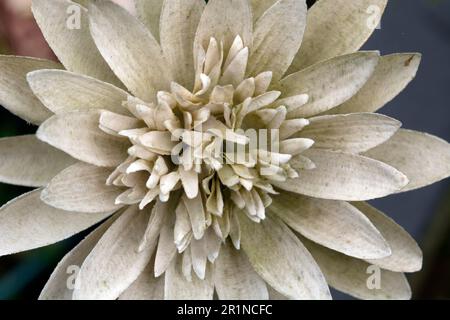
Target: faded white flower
<point>150,127</point>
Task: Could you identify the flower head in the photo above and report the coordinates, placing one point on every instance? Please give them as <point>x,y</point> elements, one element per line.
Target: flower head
<point>225,143</point>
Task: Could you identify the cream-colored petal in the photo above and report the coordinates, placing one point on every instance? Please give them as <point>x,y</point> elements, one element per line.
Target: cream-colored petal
<point>115,263</point>
<point>130,50</point>
<point>406,254</point>
<point>277,37</point>
<point>62,281</point>
<point>27,161</point>
<point>179,21</point>
<point>328,83</point>
<point>260,6</point>
<point>334,224</point>
<point>224,20</point>
<point>149,12</point>
<point>82,187</point>
<point>64,24</point>
<point>340,176</point>
<point>281,260</point>
<point>392,74</point>
<point>337,27</point>
<point>63,91</point>
<point>423,158</point>
<point>352,276</point>
<point>27,223</point>
<point>352,133</point>
<point>234,277</point>
<point>146,287</point>
<point>78,134</point>
<point>15,94</point>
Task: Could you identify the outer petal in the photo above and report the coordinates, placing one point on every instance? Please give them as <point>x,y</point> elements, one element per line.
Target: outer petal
<point>340,176</point>
<point>406,254</point>
<point>63,91</point>
<point>352,276</point>
<point>392,74</point>
<point>234,277</point>
<point>281,260</point>
<point>337,27</point>
<point>146,286</point>
<point>352,133</point>
<point>77,133</point>
<point>115,262</point>
<point>334,224</point>
<point>179,21</point>
<point>260,6</point>
<point>277,38</point>
<point>149,12</point>
<point>82,187</point>
<point>26,161</point>
<point>328,83</point>
<point>27,223</point>
<point>71,42</point>
<point>423,158</point>
<point>129,48</point>
<point>15,94</point>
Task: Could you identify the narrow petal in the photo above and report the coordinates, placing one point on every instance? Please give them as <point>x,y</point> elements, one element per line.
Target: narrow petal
<point>115,263</point>
<point>128,47</point>
<point>146,287</point>
<point>337,27</point>
<point>406,255</point>
<point>75,92</point>
<point>340,176</point>
<point>82,187</point>
<point>423,158</point>
<point>27,161</point>
<point>64,24</point>
<point>392,74</point>
<point>149,12</point>
<point>352,133</point>
<point>353,276</point>
<point>15,94</point>
<point>329,83</point>
<point>234,277</point>
<point>179,21</point>
<point>281,26</point>
<point>28,223</point>
<point>281,260</point>
<point>334,224</point>
<point>78,134</point>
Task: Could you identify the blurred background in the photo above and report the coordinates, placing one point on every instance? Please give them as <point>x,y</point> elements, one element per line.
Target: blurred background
<point>407,26</point>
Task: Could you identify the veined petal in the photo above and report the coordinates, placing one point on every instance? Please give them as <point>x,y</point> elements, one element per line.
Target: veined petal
<point>406,255</point>
<point>26,161</point>
<point>129,48</point>
<point>27,223</point>
<point>260,6</point>
<point>392,74</point>
<point>423,158</point>
<point>149,12</point>
<point>63,91</point>
<point>340,176</point>
<point>64,24</point>
<point>234,277</point>
<point>337,27</point>
<point>277,38</point>
<point>146,286</point>
<point>334,224</point>
<point>82,187</point>
<point>15,94</point>
<point>115,263</point>
<point>329,83</point>
<point>353,276</point>
<point>78,134</point>
<point>281,260</point>
<point>352,133</point>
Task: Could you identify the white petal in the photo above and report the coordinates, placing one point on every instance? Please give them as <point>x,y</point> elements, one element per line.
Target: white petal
<point>146,287</point>
<point>28,223</point>
<point>196,214</point>
<point>423,158</point>
<point>340,176</point>
<point>189,179</point>
<point>27,161</point>
<point>166,249</point>
<point>149,12</point>
<point>281,260</point>
<point>82,187</point>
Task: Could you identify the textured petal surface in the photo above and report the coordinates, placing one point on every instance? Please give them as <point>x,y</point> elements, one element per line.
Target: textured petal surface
<point>149,12</point>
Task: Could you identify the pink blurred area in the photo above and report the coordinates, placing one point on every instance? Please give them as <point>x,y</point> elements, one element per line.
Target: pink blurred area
<point>19,33</point>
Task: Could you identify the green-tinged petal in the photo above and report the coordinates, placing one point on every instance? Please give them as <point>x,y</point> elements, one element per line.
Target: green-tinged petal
<point>149,12</point>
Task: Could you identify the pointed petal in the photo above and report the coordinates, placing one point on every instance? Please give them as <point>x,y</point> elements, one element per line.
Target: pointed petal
<point>149,12</point>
